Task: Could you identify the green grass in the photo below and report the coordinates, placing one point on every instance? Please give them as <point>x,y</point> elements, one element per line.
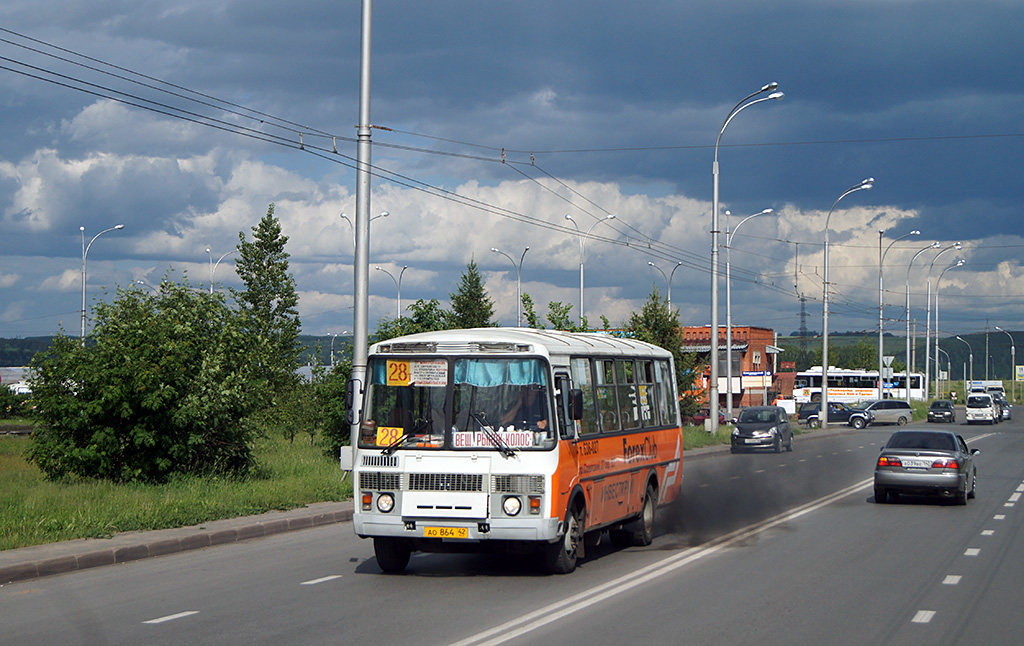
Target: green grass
<point>34,511</point>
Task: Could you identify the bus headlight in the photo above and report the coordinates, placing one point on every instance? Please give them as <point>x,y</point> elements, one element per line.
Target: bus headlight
<point>385,502</point>
<point>512,505</point>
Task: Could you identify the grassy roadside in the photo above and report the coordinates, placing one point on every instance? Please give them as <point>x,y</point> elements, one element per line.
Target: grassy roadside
<point>34,511</point>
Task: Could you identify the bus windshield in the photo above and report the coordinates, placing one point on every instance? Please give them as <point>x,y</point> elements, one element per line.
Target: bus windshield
<point>463,403</point>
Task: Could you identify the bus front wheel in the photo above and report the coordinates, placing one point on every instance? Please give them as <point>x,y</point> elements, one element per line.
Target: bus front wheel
<point>392,554</point>
<point>560,557</point>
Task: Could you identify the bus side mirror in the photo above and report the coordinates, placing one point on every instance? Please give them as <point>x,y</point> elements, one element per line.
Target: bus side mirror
<point>353,389</point>
<point>576,404</point>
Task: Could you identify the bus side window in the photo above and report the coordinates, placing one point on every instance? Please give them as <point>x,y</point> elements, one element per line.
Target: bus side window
<point>606,401</point>
<point>629,404</point>
<point>569,404</point>
<point>583,379</point>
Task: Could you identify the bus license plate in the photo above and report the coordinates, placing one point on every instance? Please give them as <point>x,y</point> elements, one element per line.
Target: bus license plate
<point>446,532</point>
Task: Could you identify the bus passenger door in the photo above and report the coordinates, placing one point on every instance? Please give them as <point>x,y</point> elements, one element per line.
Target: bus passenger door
<point>568,470</point>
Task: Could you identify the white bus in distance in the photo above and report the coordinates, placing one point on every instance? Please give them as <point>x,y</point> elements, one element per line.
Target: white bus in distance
<point>852,386</point>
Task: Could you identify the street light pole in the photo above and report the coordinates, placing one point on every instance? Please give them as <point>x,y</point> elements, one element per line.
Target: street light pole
<point>881,260</point>
<point>958,263</point>
<point>739,107</point>
<point>398,284</point>
<point>85,253</point>
<point>865,185</point>
<point>967,387</point>
<point>906,380</point>
<point>583,244</point>
<point>928,323</point>
<point>728,309</point>
<point>1013,364</point>
<point>213,267</point>
<point>519,277</point>
<point>382,214</point>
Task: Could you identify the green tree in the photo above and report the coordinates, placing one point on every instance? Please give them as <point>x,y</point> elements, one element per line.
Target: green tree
<point>471,306</point>
<point>425,316</point>
<point>658,323</point>
<point>164,388</point>
<point>269,301</point>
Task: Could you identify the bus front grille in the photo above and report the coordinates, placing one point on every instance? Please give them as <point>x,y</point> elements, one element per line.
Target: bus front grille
<point>521,484</point>
<point>446,482</point>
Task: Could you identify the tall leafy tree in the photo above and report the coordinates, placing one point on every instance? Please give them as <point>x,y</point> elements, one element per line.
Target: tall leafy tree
<point>471,306</point>
<point>268,304</point>
<point>165,388</point>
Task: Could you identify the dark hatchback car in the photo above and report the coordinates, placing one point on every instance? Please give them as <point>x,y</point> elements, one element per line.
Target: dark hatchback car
<point>926,463</point>
<point>764,427</point>
<point>941,410</point>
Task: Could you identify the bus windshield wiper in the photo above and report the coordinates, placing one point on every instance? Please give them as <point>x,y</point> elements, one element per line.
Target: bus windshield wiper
<point>407,438</point>
<point>494,437</point>
<point>397,444</point>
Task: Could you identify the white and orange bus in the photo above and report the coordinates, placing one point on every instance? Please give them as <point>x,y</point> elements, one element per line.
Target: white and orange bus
<point>505,437</point>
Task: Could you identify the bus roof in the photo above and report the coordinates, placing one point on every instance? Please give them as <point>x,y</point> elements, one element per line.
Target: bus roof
<point>500,339</point>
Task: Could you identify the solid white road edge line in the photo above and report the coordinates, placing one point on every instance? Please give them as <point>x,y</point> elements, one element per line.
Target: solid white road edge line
<point>161,620</point>
<point>548,614</point>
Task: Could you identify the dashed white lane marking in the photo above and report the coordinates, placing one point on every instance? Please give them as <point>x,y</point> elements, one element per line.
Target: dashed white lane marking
<point>323,579</point>
<point>923,616</point>
<point>988,532</point>
<point>952,579</point>
<point>759,471</point>
<point>999,517</point>
<point>1014,497</point>
<point>1020,487</point>
<point>972,551</point>
<point>160,620</point>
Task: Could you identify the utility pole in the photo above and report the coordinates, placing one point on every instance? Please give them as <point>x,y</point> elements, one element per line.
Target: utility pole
<point>361,264</point>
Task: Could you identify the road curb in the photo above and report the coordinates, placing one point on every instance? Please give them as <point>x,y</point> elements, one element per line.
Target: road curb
<point>68,556</point>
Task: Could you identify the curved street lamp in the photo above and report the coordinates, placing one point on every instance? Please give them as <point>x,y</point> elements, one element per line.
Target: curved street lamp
<point>668,278</point>
<point>398,284</point>
<point>85,253</point>
<point>906,384</point>
<point>213,266</point>
<point>881,260</point>
<point>1013,364</point>
<point>967,387</point>
<point>728,308</point>
<point>928,321</point>
<point>583,243</point>
<point>958,263</point>
<point>865,185</point>
<point>519,277</point>
<point>382,214</point>
<point>739,107</point>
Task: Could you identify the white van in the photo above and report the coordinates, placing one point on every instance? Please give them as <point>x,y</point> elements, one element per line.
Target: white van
<point>980,408</point>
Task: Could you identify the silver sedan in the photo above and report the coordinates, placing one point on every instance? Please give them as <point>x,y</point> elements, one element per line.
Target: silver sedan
<point>929,463</point>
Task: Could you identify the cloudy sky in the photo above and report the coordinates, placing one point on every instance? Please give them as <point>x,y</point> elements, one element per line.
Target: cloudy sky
<point>182,121</point>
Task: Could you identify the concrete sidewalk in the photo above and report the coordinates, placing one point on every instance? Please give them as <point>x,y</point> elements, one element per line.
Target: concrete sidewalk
<point>57,558</point>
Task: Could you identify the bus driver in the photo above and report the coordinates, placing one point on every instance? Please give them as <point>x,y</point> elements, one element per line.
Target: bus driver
<point>530,409</point>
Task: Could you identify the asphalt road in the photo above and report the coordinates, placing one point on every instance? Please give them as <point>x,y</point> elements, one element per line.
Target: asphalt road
<point>764,548</point>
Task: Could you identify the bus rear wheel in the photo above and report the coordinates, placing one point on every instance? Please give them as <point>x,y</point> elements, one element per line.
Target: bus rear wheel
<point>641,530</point>
<point>392,554</point>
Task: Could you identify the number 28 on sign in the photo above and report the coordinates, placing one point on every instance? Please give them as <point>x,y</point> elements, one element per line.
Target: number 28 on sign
<point>398,373</point>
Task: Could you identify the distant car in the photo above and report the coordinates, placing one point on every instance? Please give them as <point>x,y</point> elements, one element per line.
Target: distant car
<point>929,463</point>
<point>981,408</point>
<point>698,418</point>
<point>762,427</point>
<point>838,413</point>
<point>941,410</point>
<point>888,411</point>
